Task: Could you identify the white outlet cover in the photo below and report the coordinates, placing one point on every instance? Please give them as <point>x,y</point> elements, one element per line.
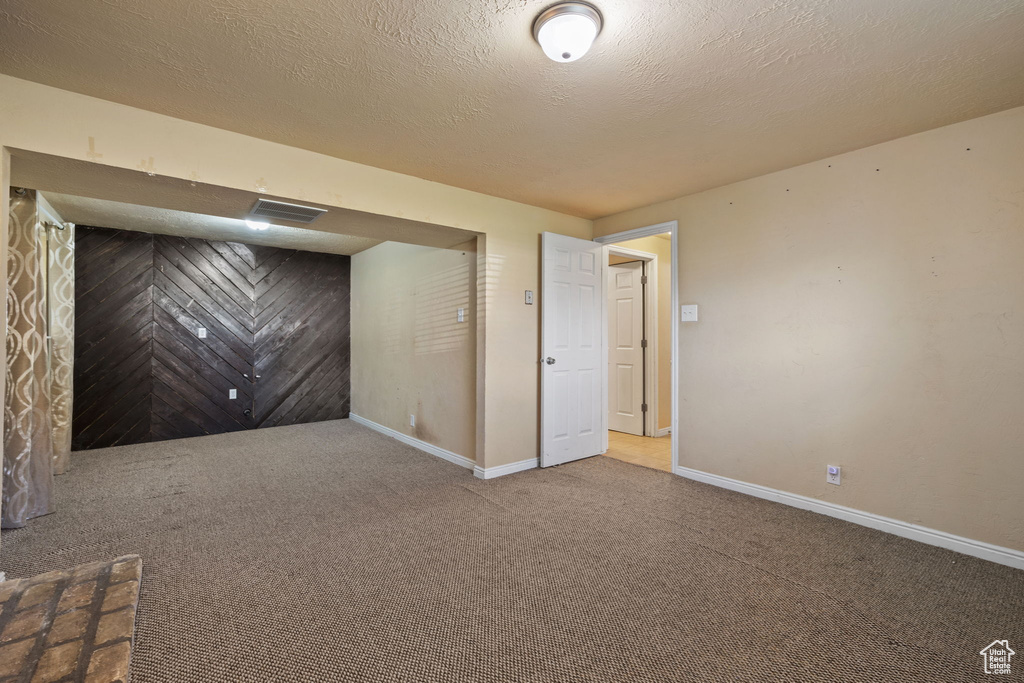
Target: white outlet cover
<point>833,474</point>
<point>688,313</point>
<point>462,315</point>
<point>202,333</point>
<point>529,297</point>
<point>232,393</point>
<point>412,420</point>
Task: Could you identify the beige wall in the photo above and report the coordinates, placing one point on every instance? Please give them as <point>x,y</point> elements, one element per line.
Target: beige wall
<point>410,355</point>
<point>43,119</point>
<point>662,249</point>
<point>865,311</point>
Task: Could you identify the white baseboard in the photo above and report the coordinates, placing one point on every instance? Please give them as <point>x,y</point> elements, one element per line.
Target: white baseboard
<point>664,431</point>
<point>502,470</point>
<point>459,460</point>
<point>967,546</point>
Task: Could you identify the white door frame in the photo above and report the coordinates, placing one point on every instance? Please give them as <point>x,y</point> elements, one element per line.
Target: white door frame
<point>650,333</point>
<point>671,227</point>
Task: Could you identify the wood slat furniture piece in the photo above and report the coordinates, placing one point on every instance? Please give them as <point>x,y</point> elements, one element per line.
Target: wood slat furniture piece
<point>166,327</point>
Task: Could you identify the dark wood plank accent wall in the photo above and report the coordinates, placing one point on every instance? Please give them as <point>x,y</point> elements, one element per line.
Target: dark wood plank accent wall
<point>276,326</point>
<point>193,290</point>
<point>113,337</point>
<point>301,337</point>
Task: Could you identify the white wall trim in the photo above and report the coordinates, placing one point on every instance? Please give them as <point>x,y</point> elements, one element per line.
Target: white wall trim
<point>459,460</point>
<point>647,231</point>
<point>664,431</point>
<point>502,470</point>
<point>630,253</point>
<point>967,546</point>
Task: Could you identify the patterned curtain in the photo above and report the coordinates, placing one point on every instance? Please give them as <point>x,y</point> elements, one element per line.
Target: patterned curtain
<point>28,446</point>
<point>61,288</point>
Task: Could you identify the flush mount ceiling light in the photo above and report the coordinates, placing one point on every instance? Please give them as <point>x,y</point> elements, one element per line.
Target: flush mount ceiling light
<point>257,225</point>
<point>566,31</point>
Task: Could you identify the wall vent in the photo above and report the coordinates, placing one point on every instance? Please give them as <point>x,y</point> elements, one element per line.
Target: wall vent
<point>283,211</point>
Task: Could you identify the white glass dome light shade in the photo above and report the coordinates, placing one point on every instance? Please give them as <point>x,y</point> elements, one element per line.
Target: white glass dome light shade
<point>567,30</point>
<point>257,225</point>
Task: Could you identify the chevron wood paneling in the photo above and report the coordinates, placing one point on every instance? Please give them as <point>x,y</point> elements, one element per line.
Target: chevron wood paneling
<point>278,315</point>
<point>113,338</point>
<point>193,289</point>
<point>301,336</point>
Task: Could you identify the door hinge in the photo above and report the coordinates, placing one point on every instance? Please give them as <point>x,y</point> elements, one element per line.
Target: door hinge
<point>643,279</point>
<point>643,343</point>
<point>643,407</point>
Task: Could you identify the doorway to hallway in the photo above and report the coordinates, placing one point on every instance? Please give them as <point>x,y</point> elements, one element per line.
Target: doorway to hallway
<point>639,414</point>
<point>574,363</point>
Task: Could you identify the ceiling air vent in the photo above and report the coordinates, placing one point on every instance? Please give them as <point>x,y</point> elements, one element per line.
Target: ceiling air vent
<point>283,211</point>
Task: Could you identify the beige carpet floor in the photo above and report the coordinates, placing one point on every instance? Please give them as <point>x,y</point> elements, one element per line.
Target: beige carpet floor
<point>330,553</point>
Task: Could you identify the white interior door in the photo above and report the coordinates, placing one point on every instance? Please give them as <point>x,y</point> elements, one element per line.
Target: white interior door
<point>573,332</point>
<point>625,348</point>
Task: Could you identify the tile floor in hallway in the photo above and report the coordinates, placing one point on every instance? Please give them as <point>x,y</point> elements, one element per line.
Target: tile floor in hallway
<point>641,450</point>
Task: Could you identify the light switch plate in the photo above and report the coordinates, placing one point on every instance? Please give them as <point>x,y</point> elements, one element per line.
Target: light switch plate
<point>688,313</point>
<point>202,333</point>
<point>232,393</point>
<point>529,297</point>
<point>462,315</point>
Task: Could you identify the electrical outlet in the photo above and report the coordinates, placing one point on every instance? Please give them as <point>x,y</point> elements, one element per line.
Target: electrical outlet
<point>688,313</point>
<point>412,420</point>
<point>529,297</point>
<point>462,315</point>
<point>832,474</point>
<point>202,333</point>
<point>232,393</point>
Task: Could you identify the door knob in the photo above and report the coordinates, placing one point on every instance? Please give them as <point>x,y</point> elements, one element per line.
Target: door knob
<point>549,360</point>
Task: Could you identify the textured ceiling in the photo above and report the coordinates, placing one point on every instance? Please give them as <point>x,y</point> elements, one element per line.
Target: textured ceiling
<point>676,96</point>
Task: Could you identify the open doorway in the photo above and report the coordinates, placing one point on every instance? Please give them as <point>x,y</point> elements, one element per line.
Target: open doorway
<point>574,364</point>
<point>574,333</point>
<point>638,281</point>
